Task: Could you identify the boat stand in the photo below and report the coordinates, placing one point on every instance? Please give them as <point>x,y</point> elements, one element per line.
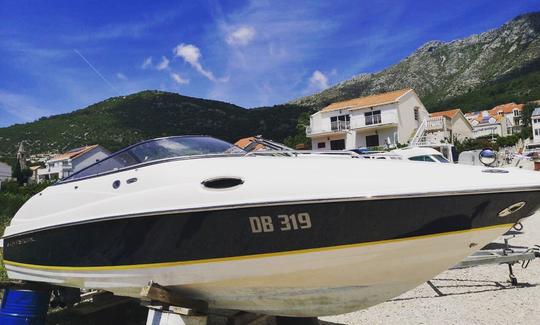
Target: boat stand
<point>167,307</point>
<point>506,255</point>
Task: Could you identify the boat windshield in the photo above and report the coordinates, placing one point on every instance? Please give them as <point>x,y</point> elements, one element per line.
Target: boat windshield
<point>157,150</point>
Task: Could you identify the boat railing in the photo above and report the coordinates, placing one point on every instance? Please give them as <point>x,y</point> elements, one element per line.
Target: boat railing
<point>296,153</point>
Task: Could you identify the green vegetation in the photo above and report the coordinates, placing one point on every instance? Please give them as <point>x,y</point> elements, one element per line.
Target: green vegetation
<point>300,136</point>
<point>519,87</point>
<point>21,174</point>
<point>121,121</point>
<point>486,142</point>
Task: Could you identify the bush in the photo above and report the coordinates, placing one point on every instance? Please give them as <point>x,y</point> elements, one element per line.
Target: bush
<point>508,141</point>
<point>475,144</point>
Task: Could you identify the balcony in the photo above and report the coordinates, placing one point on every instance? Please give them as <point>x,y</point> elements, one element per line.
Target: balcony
<point>354,124</point>
<point>438,123</point>
<point>335,127</point>
<point>340,125</point>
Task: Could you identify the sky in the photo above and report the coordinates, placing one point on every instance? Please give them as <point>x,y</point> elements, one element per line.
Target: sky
<point>59,56</point>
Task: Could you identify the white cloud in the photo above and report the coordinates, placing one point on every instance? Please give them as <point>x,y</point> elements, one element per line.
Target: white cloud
<point>164,64</point>
<point>121,76</point>
<point>178,79</point>
<point>241,36</point>
<point>191,54</point>
<point>318,81</point>
<point>147,63</point>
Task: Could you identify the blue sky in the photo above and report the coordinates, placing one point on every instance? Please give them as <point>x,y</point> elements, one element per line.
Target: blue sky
<point>58,56</point>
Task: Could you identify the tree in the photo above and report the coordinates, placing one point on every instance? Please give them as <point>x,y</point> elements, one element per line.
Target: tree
<point>21,175</point>
<point>300,136</point>
<point>528,109</point>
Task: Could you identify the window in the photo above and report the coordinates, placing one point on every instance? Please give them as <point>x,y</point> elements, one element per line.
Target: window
<point>373,117</point>
<point>337,145</point>
<point>517,113</point>
<point>422,158</point>
<point>372,140</point>
<point>341,122</point>
<point>536,131</point>
<point>417,113</point>
<point>321,145</point>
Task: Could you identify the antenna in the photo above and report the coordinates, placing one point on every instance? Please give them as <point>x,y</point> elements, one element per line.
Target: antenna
<point>97,72</point>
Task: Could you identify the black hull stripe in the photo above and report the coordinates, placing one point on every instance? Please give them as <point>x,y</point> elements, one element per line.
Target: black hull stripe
<point>246,257</point>
<point>224,234</point>
<point>535,189</point>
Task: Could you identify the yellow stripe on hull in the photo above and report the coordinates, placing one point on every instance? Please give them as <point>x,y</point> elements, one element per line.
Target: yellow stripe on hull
<point>245,257</point>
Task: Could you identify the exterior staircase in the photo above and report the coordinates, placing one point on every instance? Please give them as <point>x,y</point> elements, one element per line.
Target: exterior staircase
<point>419,137</point>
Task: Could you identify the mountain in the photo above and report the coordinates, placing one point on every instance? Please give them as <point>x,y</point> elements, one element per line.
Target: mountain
<point>473,73</point>
<point>477,72</point>
<point>120,121</point>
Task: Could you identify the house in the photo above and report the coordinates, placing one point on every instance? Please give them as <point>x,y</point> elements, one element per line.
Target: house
<point>485,124</point>
<point>70,162</point>
<point>259,143</point>
<point>445,126</point>
<point>5,172</point>
<point>249,142</point>
<point>535,121</point>
<point>385,119</point>
<point>512,112</point>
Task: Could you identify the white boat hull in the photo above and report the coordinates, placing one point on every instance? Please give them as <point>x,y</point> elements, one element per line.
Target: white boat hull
<point>313,283</point>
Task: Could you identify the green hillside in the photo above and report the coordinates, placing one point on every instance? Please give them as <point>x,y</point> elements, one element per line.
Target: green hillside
<point>120,121</point>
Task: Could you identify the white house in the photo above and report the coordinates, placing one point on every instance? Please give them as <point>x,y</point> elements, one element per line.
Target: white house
<point>485,124</point>
<point>445,126</point>
<point>385,119</point>
<point>535,121</point>
<point>70,162</point>
<point>512,112</point>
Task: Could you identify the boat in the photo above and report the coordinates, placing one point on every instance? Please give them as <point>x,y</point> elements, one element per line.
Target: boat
<point>292,235</point>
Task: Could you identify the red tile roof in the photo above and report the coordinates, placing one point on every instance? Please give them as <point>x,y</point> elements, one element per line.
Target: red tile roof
<point>368,101</point>
<point>244,142</point>
<point>74,153</point>
<point>448,113</point>
<point>506,108</point>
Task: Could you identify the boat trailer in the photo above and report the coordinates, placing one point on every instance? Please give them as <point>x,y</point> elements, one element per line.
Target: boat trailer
<point>507,255</point>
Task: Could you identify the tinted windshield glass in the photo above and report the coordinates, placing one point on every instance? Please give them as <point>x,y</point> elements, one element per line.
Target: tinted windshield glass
<point>158,149</point>
<point>422,158</point>
<point>441,158</point>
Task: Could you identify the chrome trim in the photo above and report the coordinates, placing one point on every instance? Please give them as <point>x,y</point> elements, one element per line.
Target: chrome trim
<point>512,209</point>
<point>280,203</point>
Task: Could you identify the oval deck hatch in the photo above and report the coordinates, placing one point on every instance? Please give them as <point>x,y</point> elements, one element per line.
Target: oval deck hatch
<point>222,182</point>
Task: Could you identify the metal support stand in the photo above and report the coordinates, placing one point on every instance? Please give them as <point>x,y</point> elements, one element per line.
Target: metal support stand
<point>506,255</point>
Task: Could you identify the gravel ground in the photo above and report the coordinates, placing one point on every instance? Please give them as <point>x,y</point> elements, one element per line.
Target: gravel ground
<point>478,295</point>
